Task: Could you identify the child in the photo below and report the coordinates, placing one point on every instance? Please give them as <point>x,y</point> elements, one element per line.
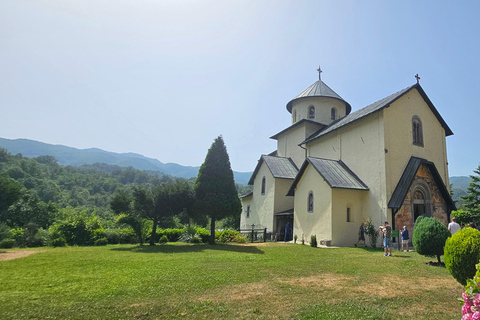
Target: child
<point>405,238</point>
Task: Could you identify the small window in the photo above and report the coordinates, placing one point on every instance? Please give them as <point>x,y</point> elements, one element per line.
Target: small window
<point>311,112</point>
<point>417,131</point>
<point>333,114</point>
<point>263,185</point>
<point>294,116</point>
<point>348,215</point>
<point>248,211</point>
<point>310,202</point>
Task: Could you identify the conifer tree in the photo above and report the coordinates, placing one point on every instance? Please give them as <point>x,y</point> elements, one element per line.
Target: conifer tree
<point>215,192</point>
<point>472,199</point>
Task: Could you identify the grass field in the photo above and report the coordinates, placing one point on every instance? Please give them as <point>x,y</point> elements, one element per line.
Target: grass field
<point>259,281</point>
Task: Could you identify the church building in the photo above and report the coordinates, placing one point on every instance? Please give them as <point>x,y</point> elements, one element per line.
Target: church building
<point>334,168</point>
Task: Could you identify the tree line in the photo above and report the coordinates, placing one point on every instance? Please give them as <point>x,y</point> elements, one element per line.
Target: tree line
<point>40,196</point>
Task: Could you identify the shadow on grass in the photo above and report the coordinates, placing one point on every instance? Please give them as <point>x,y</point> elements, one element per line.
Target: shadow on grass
<point>191,248</point>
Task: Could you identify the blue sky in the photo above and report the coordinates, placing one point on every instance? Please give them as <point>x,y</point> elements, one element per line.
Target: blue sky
<point>164,78</point>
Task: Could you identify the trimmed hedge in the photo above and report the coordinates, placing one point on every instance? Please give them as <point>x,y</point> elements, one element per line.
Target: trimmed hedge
<point>462,253</point>
<point>429,237</point>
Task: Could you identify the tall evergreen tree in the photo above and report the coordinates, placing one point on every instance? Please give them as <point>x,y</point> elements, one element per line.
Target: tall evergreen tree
<point>472,199</point>
<point>215,192</point>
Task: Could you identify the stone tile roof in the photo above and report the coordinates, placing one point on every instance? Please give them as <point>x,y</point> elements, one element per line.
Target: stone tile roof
<point>280,167</point>
<point>335,173</point>
<point>318,89</point>
<point>376,106</point>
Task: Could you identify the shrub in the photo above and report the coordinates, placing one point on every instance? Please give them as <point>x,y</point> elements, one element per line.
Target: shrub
<point>429,237</point>
<point>462,253</point>
<point>372,233</point>
<point>226,235</point>
<point>240,238</point>
<point>163,239</point>
<point>7,243</point>
<point>58,242</point>
<point>4,231</point>
<point>313,241</point>
<point>101,242</point>
<point>121,235</point>
<point>195,239</point>
<point>295,239</point>
<point>204,234</point>
<point>172,234</point>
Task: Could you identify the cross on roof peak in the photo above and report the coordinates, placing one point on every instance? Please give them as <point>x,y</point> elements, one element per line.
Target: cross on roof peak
<point>418,78</point>
<point>319,73</point>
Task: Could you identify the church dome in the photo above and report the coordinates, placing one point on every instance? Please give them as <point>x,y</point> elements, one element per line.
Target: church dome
<point>318,89</point>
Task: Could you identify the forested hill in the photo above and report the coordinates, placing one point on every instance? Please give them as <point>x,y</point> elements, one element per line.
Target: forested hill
<point>77,157</point>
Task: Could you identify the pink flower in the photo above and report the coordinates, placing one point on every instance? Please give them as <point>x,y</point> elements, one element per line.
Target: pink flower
<point>476,315</point>
<point>466,297</point>
<point>467,308</point>
<point>467,316</point>
<point>476,300</point>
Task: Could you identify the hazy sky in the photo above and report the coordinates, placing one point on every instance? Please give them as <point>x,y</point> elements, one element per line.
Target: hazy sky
<point>164,78</point>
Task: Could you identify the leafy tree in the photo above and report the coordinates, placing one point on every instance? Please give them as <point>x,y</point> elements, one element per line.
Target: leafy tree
<point>429,237</point>
<point>462,216</point>
<point>215,192</point>
<point>471,202</point>
<point>10,192</point>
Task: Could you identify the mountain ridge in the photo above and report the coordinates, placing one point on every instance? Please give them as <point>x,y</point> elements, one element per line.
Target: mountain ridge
<point>76,157</point>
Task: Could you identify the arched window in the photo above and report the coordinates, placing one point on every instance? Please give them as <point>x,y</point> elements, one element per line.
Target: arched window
<point>311,112</point>
<point>310,202</point>
<point>417,131</point>
<point>263,185</point>
<point>333,113</point>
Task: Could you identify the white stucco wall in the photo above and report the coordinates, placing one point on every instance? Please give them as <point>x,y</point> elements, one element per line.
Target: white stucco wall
<point>282,202</point>
<point>360,146</point>
<point>344,233</point>
<point>399,138</point>
<point>319,222</point>
<point>323,106</point>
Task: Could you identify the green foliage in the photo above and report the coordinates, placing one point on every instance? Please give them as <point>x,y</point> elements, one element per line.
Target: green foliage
<point>121,236</point>
<point>313,241</point>
<point>172,234</point>
<point>226,235</point>
<point>4,232</point>
<point>429,237</point>
<point>463,217</point>
<point>471,202</point>
<point>163,239</point>
<point>101,242</point>
<point>58,242</point>
<point>372,233</point>
<point>462,253</point>
<point>7,243</point>
<point>195,239</point>
<point>295,237</point>
<point>240,238</point>
<point>215,192</point>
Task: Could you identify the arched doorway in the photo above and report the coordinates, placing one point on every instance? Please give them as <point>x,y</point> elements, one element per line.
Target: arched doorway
<point>421,200</point>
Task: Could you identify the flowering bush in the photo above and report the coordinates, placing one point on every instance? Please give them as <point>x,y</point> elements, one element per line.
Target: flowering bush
<point>471,298</point>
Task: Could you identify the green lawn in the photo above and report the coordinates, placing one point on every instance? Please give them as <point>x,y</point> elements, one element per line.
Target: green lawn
<point>273,281</point>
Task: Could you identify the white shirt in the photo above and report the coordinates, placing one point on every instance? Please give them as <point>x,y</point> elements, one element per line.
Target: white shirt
<point>453,227</point>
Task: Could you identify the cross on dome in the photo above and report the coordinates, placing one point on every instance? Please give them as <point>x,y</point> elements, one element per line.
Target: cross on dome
<point>319,73</point>
<point>417,77</point>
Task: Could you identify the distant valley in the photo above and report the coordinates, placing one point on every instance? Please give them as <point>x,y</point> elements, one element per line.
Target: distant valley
<point>77,157</point>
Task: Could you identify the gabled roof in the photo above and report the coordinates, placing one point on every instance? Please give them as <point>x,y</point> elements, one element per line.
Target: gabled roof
<point>376,106</point>
<point>280,167</point>
<point>321,125</point>
<point>403,186</point>
<point>335,173</point>
<point>318,89</point>
<point>248,194</point>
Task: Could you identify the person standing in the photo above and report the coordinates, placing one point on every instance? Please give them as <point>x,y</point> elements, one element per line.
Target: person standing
<point>288,229</point>
<point>405,238</point>
<point>387,240</point>
<point>361,234</point>
<point>453,226</point>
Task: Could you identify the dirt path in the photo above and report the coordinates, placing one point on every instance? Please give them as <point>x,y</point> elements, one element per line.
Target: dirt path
<point>10,255</point>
